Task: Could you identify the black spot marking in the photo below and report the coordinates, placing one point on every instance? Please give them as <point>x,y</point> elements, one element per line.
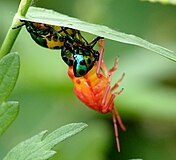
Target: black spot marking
<point>89,61</point>
<point>82,62</point>
<point>82,72</point>
<point>55,38</point>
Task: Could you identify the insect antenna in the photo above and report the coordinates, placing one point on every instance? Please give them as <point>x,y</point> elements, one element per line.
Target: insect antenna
<point>18,26</point>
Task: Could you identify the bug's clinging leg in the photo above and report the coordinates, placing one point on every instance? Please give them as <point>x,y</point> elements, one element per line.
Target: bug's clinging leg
<point>116,131</point>
<point>122,126</point>
<point>92,44</point>
<point>101,46</point>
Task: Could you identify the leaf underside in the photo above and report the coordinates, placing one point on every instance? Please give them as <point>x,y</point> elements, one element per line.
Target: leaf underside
<point>163,1</point>
<point>51,17</point>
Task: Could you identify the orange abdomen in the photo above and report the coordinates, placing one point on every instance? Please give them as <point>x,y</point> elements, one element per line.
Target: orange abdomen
<point>90,89</point>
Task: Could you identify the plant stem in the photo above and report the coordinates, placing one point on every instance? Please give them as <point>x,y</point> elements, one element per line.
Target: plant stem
<point>13,33</point>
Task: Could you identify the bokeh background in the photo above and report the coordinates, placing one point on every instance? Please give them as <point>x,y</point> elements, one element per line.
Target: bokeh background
<point>147,105</point>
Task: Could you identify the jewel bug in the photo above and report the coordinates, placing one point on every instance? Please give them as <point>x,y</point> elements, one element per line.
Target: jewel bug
<point>94,90</point>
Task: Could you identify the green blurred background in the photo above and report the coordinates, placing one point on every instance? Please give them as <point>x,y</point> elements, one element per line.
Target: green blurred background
<point>147,105</point>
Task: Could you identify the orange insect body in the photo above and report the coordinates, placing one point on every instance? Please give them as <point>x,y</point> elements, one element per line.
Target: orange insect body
<point>94,90</point>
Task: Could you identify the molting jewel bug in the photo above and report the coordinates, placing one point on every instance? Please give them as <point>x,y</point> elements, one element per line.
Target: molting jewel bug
<point>48,36</point>
<point>75,50</point>
<point>94,90</point>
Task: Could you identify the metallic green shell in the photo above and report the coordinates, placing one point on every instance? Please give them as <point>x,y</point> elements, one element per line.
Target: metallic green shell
<point>49,36</point>
<point>82,56</point>
<point>75,50</point>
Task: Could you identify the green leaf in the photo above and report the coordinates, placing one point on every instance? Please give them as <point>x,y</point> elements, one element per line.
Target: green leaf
<point>42,15</point>
<point>163,1</point>
<point>8,113</point>
<point>39,147</point>
<point>9,70</point>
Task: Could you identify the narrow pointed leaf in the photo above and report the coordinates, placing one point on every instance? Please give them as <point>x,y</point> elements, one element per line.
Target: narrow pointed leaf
<point>42,15</point>
<point>39,147</point>
<point>163,1</point>
<point>9,70</point>
<point>8,113</point>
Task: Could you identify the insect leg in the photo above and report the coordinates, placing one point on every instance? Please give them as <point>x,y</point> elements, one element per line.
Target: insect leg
<point>122,126</point>
<point>116,85</point>
<point>100,61</point>
<point>93,43</point>
<point>116,131</point>
<point>105,95</point>
<point>114,68</point>
<point>108,106</point>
